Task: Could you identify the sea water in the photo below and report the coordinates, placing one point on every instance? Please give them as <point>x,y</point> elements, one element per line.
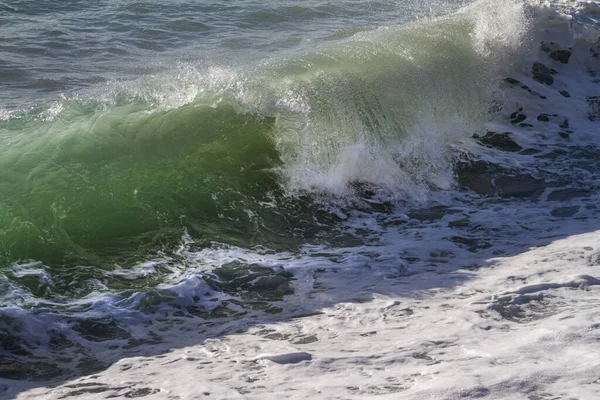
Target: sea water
<point>175,164</point>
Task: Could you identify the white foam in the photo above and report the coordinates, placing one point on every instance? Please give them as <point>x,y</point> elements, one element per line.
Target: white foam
<point>500,27</point>
<point>448,341</point>
<point>4,114</point>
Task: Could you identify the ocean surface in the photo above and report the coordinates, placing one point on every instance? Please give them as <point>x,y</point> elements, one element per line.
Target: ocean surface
<point>179,166</point>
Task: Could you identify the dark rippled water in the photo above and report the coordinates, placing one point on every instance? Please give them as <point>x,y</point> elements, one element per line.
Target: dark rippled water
<point>50,48</point>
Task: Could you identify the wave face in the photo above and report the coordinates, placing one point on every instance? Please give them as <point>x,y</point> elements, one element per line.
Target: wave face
<point>380,110</point>
<point>183,189</point>
<point>93,180</point>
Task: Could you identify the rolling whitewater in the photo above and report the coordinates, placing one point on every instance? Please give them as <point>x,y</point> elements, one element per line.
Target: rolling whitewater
<point>337,199</point>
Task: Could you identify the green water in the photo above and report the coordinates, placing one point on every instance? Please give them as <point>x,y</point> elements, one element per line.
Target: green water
<point>91,184</point>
